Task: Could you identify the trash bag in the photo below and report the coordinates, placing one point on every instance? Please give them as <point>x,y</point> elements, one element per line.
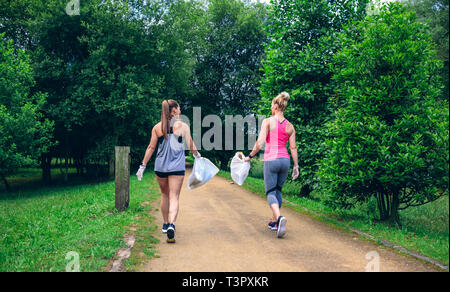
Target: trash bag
<point>202,172</point>
<point>239,168</point>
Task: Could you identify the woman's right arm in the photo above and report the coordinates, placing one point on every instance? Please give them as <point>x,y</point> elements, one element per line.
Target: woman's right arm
<point>293,147</point>
<point>151,147</point>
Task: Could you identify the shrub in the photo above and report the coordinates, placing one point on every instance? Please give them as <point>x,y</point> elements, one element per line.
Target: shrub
<point>302,34</point>
<point>24,134</point>
<point>390,136</point>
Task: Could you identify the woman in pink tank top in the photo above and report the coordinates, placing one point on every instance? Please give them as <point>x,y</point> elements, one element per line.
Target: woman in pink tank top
<point>276,131</point>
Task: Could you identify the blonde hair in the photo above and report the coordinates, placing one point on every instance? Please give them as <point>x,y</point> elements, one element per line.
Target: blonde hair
<point>282,100</point>
<point>166,116</point>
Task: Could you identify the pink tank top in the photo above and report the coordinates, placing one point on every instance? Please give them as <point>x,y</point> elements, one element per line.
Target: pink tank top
<point>276,142</point>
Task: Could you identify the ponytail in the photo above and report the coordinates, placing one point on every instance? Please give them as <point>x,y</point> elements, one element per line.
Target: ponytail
<point>166,108</point>
<point>165,114</point>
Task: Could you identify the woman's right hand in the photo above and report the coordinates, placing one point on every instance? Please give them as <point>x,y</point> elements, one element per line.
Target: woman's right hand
<point>295,173</point>
<point>197,155</point>
<point>140,172</point>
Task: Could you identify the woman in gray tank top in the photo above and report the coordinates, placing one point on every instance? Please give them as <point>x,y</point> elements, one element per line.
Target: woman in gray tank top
<point>168,137</point>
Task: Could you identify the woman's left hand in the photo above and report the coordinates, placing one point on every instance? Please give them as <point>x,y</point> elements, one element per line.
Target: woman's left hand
<point>247,159</point>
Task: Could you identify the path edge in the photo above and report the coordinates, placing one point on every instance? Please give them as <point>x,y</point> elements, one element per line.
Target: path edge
<point>376,240</point>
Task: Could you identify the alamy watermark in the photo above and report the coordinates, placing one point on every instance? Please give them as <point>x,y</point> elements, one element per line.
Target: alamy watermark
<point>73,7</point>
<point>234,132</point>
<point>374,261</point>
<point>74,262</point>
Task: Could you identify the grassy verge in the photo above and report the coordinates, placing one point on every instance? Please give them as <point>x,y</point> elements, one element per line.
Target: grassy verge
<point>40,225</point>
<point>425,229</point>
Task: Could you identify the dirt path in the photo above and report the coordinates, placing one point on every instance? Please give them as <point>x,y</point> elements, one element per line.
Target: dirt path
<point>222,228</point>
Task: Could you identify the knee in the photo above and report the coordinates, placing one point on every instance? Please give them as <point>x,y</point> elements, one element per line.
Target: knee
<point>279,198</point>
<point>272,199</point>
<point>173,195</point>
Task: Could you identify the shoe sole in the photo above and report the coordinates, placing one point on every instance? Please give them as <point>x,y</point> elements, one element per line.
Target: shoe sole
<point>282,228</point>
<point>170,236</point>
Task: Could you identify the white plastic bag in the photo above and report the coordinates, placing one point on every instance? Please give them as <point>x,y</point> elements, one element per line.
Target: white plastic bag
<point>202,172</point>
<point>239,168</point>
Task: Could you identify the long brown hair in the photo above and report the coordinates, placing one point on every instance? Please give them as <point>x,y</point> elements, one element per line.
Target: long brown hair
<point>167,106</point>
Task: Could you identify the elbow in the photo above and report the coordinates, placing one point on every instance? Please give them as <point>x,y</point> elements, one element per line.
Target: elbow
<point>259,145</point>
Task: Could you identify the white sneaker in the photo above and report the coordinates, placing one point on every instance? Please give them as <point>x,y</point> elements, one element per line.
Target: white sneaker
<point>171,234</point>
<point>281,231</point>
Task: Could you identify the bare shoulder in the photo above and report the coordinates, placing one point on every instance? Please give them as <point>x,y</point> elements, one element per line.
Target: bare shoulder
<point>179,125</point>
<point>270,123</point>
<point>267,121</point>
<point>157,129</point>
<point>180,128</point>
<point>290,129</point>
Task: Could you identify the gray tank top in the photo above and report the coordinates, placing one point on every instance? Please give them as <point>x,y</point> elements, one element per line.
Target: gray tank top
<point>170,156</point>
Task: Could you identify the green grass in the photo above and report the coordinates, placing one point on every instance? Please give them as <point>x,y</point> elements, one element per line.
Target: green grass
<point>40,225</point>
<point>425,228</point>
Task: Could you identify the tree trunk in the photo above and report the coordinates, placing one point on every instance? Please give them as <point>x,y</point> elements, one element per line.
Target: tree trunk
<point>46,168</point>
<point>224,158</point>
<point>224,164</point>
<point>111,166</point>
<point>5,182</point>
<point>112,158</point>
<point>66,173</point>
<point>394,217</point>
<point>388,205</point>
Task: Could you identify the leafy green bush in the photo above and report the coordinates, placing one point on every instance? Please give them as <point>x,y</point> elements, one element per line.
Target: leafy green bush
<point>302,43</point>
<point>25,135</point>
<point>390,136</point>
<point>257,169</point>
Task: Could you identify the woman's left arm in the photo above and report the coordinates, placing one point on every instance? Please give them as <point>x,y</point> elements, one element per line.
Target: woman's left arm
<point>190,142</point>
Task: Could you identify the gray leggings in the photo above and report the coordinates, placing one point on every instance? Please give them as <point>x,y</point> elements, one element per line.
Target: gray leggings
<point>275,174</point>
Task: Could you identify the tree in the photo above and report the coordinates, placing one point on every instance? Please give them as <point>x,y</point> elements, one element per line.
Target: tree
<point>228,61</point>
<point>106,72</point>
<point>25,135</point>
<point>389,138</point>
<point>15,17</point>
<point>435,13</point>
<point>302,45</point>
<point>119,82</point>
